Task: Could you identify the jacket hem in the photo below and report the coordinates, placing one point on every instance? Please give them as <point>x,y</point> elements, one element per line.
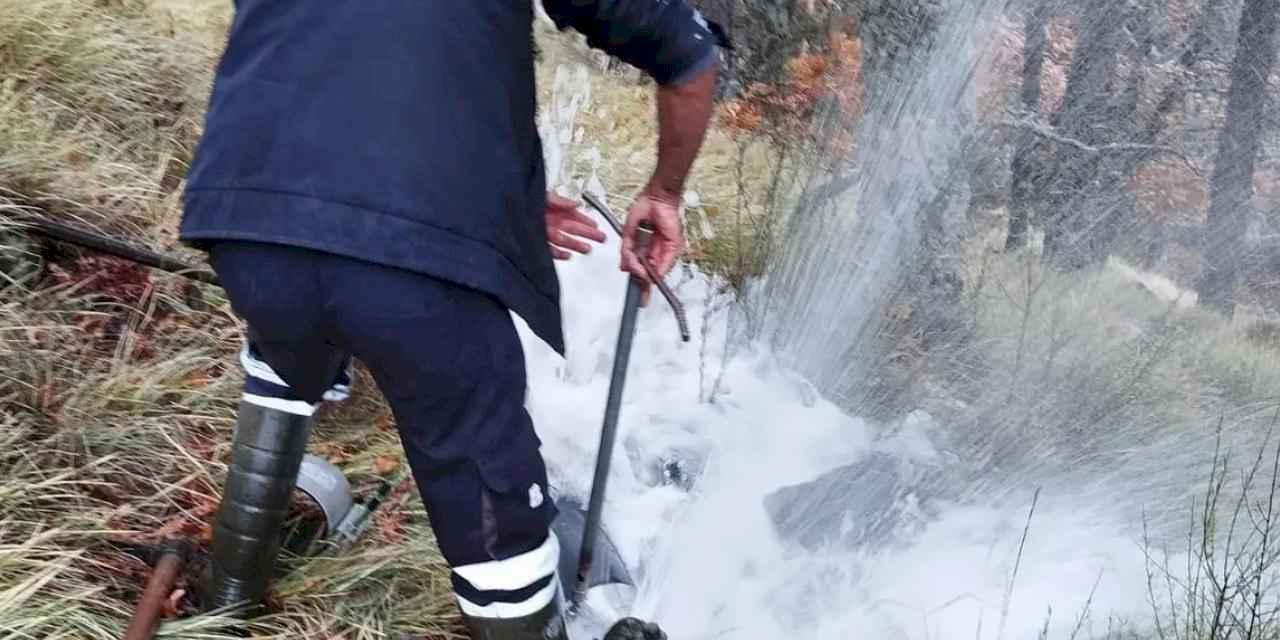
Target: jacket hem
<point>366,234</point>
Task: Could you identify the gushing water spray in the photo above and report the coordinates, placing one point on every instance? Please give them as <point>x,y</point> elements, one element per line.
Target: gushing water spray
<point>841,259</point>
<point>804,521</point>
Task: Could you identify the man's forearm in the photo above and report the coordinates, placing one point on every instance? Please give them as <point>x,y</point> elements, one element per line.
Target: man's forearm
<point>684,113</point>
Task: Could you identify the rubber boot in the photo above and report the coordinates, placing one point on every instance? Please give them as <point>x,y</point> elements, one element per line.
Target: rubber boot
<point>546,624</point>
<point>267,452</point>
<point>633,629</point>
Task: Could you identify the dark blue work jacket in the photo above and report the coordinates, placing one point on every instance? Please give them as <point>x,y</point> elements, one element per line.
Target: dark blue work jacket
<point>403,132</point>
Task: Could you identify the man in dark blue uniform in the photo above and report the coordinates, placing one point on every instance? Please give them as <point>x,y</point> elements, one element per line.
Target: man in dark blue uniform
<point>370,184</point>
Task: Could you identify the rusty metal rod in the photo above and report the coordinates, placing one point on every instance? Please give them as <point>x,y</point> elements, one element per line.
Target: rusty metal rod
<point>111,246</point>
<point>146,618</point>
<point>677,308</point>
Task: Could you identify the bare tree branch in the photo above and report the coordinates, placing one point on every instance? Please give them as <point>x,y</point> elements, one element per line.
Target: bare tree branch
<point>1049,133</point>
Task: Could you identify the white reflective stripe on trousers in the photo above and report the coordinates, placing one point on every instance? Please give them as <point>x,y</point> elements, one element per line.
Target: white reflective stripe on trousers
<point>257,368</point>
<point>513,574</point>
<point>512,609</point>
<point>295,407</point>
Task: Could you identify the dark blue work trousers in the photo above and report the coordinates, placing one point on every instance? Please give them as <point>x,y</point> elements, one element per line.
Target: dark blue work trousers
<point>450,363</point>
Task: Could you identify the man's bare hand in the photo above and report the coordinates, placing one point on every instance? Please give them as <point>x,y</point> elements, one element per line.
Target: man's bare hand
<point>567,226</point>
<point>684,111</point>
<point>662,210</point>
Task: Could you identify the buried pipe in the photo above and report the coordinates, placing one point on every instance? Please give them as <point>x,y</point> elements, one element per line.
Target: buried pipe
<point>151,606</point>
<point>359,518</point>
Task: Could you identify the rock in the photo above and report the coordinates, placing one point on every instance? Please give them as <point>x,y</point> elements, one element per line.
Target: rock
<point>1264,333</point>
<point>874,502</point>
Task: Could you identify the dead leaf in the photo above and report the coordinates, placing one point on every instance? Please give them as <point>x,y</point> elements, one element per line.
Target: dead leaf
<point>383,465</point>
<point>333,452</point>
<point>388,525</point>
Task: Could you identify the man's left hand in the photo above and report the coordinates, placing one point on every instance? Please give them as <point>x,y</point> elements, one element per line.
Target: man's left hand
<point>567,226</point>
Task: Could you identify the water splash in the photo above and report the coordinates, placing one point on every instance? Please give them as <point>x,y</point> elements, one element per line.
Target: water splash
<point>846,259</point>
<point>924,541</point>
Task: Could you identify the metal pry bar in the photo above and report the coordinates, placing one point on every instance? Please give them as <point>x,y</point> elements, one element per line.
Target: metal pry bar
<point>676,307</point>
<point>609,433</point>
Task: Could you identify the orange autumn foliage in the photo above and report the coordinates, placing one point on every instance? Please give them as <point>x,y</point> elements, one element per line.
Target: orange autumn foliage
<point>785,111</point>
<point>1168,192</point>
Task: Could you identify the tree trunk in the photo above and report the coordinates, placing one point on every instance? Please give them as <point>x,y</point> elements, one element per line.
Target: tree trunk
<point>1024,165</point>
<point>1231,187</point>
<point>1087,115</point>
<point>1113,205</point>
<point>1153,237</point>
<point>1198,42</point>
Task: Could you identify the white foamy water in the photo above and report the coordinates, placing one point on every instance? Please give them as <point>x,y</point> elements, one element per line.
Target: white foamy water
<point>709,562</point>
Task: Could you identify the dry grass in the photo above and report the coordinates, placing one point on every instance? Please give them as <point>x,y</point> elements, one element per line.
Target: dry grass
<point>117,396</point>
<point>118,404</point>
<point>1096,375</point>
<point>118,393</point>
<point>100,104</point>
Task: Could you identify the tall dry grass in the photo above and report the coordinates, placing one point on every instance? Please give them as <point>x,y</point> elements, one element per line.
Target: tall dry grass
<point>118,388</point>
<point>117,392</point>
<point>117,410</point>
<point>100,104</point>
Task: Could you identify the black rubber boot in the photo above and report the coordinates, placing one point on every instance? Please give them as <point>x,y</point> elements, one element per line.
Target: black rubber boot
<point>268,450</point>
<point>546,624</point>
<point>633,629</point>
